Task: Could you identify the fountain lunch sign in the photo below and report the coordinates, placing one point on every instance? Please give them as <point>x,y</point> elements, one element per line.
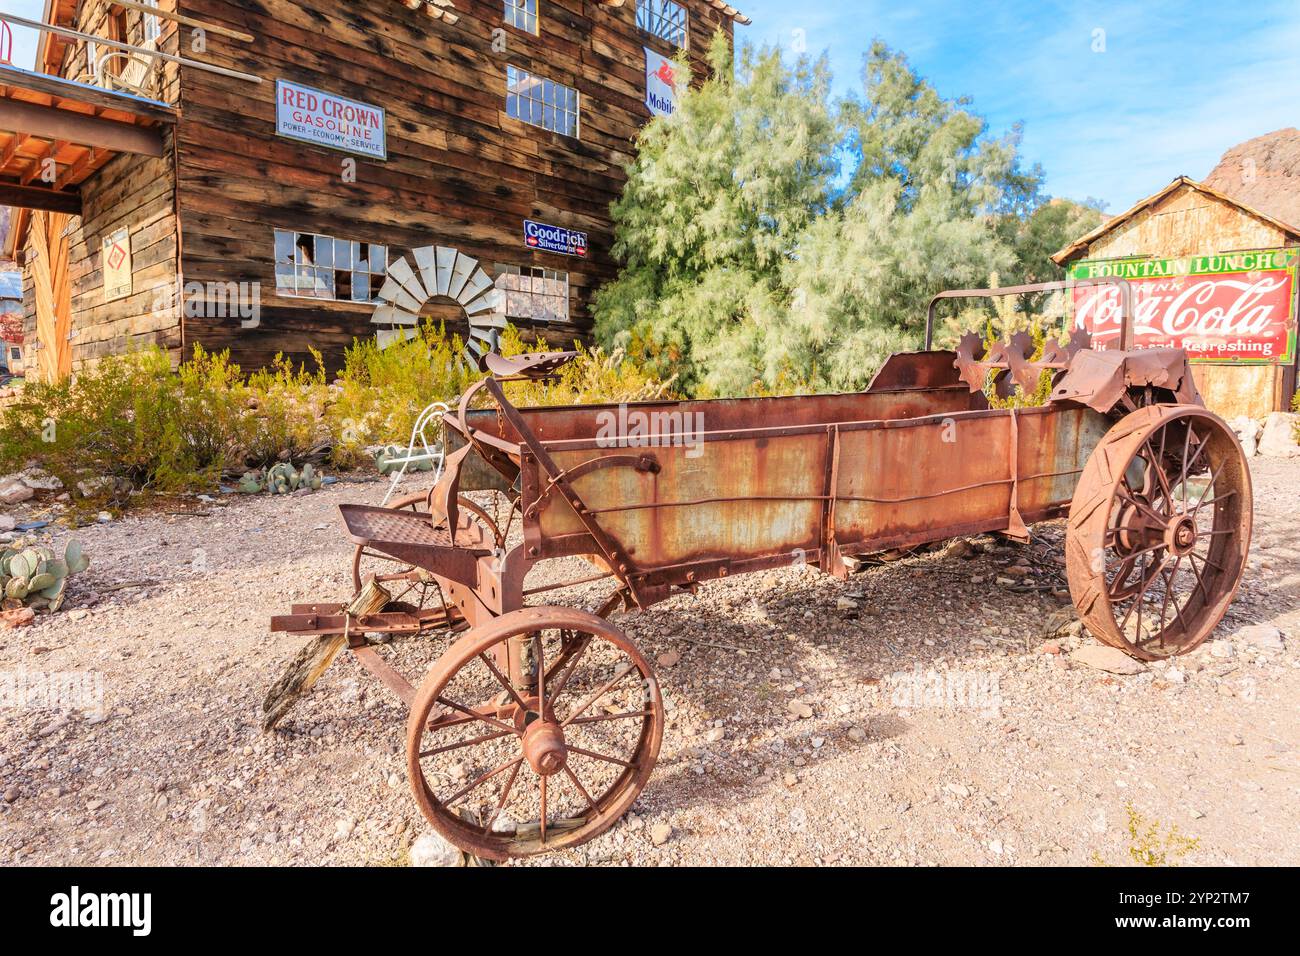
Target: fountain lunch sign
<point>1228,308</point>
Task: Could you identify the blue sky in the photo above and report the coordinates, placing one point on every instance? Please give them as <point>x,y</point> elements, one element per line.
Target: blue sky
<point>1176,84</point>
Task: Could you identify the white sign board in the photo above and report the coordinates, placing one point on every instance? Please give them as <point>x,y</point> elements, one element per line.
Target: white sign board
<point>117,265</point>
<point>334,122</point>
<point>660,83</point>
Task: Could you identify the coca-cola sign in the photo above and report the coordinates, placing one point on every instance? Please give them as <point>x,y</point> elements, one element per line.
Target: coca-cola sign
<point>1237,307</point>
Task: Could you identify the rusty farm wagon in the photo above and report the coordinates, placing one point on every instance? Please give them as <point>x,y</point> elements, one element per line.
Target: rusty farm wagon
<point>539,725</point>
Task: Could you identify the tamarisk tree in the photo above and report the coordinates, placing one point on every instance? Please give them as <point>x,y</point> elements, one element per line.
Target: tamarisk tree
<point>751,265</point>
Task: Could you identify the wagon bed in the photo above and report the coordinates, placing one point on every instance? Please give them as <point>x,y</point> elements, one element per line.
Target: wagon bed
<point>664,496</point>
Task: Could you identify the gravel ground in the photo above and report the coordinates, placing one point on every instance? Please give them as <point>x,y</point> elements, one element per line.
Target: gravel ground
<point>1038,760</point>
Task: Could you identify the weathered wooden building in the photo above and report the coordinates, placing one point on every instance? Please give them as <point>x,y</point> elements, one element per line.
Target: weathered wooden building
<point>1208,274</point>
<point>292,174</point>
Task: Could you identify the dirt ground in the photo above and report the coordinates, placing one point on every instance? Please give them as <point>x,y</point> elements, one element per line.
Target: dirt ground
<point>1040,761</point>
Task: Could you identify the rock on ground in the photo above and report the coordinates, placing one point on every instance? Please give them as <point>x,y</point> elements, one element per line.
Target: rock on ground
<point>1109,659</point>
<point>430,849</point>
<point>1279,438</point>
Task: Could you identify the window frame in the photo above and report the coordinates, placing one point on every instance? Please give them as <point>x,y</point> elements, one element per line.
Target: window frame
<point>315,268</point>
<point>653,13</point>
<point>540,104</point>
<point>520,8</point>
<point>150,23</point>
<point>534,273</point>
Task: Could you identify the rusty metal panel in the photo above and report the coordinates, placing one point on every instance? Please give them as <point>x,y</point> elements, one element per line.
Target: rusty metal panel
<point>734,495</point>
<point>906,477</point>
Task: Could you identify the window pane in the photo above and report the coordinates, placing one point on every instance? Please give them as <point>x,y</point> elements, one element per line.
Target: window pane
<point>283,246</point>
<point>324,251</point>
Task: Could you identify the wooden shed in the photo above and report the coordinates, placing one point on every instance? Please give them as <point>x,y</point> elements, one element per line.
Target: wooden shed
<point>283,176</point>
<point>1209,274</point>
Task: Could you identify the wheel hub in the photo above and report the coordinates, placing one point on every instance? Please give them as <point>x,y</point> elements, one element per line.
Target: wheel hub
<point>545,748</point>
<point>1181,535</point>
<point>1136,530</point>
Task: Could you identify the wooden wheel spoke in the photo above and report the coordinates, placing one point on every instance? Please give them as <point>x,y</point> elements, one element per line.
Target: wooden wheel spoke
<point>475,784</point>
<point>609,685</point>
<point>486,738</point>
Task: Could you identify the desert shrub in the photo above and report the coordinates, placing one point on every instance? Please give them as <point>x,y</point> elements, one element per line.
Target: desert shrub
<point>119,425</point>
<point>211,410</point>
<point>380,392</point>
<point>131,423</point>
<point>594,377</point>
<point>285,412</point>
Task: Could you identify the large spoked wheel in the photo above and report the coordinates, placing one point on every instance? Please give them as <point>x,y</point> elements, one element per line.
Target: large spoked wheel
<point>1159,531</point>
<point>534,733</point>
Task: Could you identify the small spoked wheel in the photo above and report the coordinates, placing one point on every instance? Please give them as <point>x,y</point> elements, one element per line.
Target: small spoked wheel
<point>534,733</point>
<point>1159,531</point>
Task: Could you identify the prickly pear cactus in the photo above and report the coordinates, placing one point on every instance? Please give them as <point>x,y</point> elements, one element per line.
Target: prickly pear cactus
<point>281,479</point>
<point>389,460</point>
<point>34,577</point>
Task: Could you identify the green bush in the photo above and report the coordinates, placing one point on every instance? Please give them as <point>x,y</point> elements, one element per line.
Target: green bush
<point>132,424</point>
<point>380,392</point>
<point>122,424</point>
<point>285,411</point>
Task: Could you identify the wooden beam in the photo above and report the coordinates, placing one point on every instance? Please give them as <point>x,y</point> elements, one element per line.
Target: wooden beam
<point>63,89</point>
<point>49,122</point>
<point>49,152</point>
<point>213,28</point>
<point>30,197</point>
<point>143,51</point>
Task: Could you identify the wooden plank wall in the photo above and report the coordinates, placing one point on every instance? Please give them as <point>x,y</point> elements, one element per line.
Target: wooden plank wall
<point>133,191</point>
<point>460,172</point>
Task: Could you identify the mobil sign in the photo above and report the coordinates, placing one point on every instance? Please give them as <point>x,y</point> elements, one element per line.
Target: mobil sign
<point>1230,307</point>
<point>660,84</point>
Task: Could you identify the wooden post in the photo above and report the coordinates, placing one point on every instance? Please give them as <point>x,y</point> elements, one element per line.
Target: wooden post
<point>315,658</point>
